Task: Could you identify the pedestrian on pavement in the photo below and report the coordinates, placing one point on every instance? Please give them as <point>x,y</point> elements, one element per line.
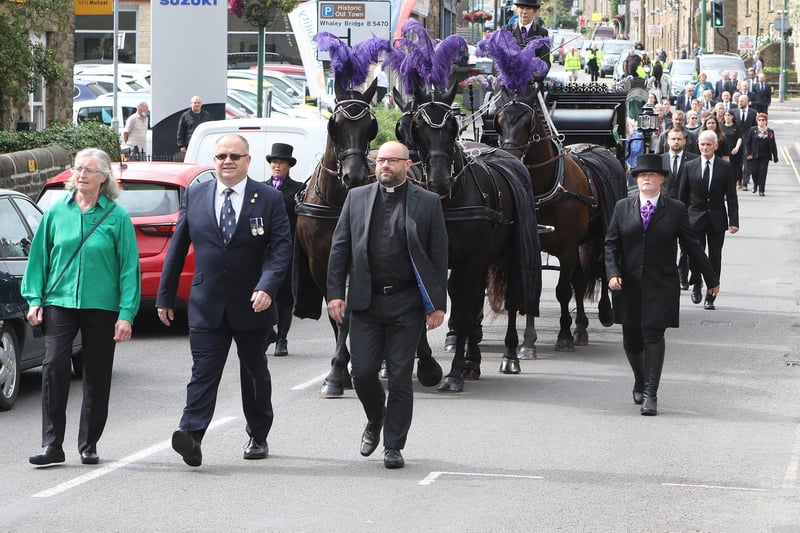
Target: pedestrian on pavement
<point>572,64</point>
<point>759,148</point>
<point>82,275</point>
<point>383,84</point>
<point>734,138</point>
<point>640,248</point>
<point>280,161</point>
<point>594,61</point>
<point>707,185</point>
<point>189,120</point>
<point>392,242</point>
<point>135,132</point>
<point>240,233</point>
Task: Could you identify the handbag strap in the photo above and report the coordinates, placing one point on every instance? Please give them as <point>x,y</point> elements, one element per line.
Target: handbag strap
<point>78,249</point>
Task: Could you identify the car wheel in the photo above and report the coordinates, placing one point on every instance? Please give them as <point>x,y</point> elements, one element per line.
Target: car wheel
<point>9,368</point>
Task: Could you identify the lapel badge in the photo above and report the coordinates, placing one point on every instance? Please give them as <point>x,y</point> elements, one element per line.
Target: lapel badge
<point>253,199</point>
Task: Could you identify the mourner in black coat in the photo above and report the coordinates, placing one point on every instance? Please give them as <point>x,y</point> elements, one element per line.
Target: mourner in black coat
<point>280,161</point>
<point>759,148</point>
<point>640,263</point>
<point>528,11</point>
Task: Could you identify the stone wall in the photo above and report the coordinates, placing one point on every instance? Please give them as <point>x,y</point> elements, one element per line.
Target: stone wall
<point>27,171</point>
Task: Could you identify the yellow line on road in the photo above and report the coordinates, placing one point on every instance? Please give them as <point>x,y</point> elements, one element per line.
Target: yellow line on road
<point>787,156</point>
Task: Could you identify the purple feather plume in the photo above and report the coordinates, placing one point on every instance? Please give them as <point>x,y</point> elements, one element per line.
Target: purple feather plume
<point>424,62</point>
<point>350,67</point>
<point>516,67</point>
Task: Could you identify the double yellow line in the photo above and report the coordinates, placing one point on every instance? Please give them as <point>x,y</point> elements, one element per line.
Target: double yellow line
<point>787,156</point>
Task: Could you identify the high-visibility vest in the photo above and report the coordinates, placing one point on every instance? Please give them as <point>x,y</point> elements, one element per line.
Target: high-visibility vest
<point>572,61</point>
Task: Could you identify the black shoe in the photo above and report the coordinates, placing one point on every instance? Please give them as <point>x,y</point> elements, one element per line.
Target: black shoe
<point>754,190</point>
<point>188,447</point>
<point>281,348</point>
<point>638,397</point>
<point>49,455</point>
<point>371,437</point>
<point>393,459</point>
<point>649,406</point>
<point>697,295</point>
<point>709,303</point>
<point>256,450</point>
<point>684,285</point>
<point>90,458</point>
<point>761,194</point>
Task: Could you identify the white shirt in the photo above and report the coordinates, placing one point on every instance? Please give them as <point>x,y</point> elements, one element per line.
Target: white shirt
<point>136,128</point>
<point>710,170</point>
<point>672,158</point>
<point>237,198</point>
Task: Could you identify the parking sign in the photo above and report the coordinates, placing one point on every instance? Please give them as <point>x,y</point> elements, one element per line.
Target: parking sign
<point>354,22</point>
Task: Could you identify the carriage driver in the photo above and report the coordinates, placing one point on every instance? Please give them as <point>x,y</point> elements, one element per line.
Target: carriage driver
<point>529,26</point>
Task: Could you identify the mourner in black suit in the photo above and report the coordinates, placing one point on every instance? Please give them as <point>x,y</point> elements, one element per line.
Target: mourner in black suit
<point>391,240</point>
<point>684,101</point>
<point>240,233</point>
<point>764,92</point>
<point>707,185</point>
<point>280,161</point>
<point>745,116</point>
<point>640,249</point>
<point>529,26</point>
<point>759,148</point>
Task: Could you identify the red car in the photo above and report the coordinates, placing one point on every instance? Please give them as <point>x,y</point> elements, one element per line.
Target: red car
<point>151,194</point>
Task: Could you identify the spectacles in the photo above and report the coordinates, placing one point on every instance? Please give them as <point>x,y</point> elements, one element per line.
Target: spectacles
<point>390,160</point>
<point>234,157</point>
<point>81,170</point>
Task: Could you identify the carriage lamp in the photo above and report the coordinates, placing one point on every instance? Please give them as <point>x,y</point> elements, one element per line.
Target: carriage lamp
<point>647,121</point>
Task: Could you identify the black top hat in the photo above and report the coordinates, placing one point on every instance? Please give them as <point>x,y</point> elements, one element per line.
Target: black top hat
<point>527,3</point>
<point>649,163</point>
<point>282,151</point>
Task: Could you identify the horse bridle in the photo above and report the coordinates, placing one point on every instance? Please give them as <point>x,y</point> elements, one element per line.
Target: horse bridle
<point>422,111</point>
<point>344,107</point>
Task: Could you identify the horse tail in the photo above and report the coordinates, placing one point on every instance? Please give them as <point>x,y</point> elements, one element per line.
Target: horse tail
<point>592,262</point>
<point>497,283</point>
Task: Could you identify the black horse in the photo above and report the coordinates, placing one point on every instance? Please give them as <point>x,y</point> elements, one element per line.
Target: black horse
<point>575,189</point>
<point>490,221</point>
<point>344,165</point>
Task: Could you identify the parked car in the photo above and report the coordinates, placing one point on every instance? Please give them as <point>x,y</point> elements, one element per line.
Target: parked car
<point>612,50</point>
<point>307,136</point>
<point>678,73</point>
<point>151,193</point>
<point>86,90</point>
<point>19,348</point>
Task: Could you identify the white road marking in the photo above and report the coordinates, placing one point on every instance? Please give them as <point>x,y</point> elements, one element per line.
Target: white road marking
<point>433,476</point>
<point>116,465</point>
<point>310,383</point>
<point>720,487</point>
<point>790,477</point>
<point>788,158</point>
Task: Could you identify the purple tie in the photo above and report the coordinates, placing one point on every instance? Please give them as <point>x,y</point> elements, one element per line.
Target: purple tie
<point>277,183</point>
<point>647,213</point>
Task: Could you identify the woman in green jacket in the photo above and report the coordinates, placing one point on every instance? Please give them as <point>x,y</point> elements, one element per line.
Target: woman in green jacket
<point>91,286</point>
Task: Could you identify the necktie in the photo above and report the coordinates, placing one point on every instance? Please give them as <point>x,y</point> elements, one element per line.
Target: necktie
<point>675,166</point>
<point>277,183</point>
<point>707,176</point>
<point>647,213</point>
<point>742,119</point>
<point>227,218</point>
<point>523,33</point>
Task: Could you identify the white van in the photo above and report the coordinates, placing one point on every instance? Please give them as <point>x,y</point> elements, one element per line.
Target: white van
<point>307,136</point>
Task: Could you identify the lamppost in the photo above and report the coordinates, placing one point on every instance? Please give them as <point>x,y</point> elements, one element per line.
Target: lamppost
<point>675,5</point>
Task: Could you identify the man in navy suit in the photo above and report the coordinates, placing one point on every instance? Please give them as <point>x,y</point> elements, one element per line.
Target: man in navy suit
<point>240,232</point>
<point>392,241</point>
<point>707,185</point>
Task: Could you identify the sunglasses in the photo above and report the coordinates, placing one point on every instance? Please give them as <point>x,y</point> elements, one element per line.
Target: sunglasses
<point>234,157</point>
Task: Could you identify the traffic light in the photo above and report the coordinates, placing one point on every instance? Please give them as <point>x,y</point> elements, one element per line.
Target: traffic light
<point>717,14</point>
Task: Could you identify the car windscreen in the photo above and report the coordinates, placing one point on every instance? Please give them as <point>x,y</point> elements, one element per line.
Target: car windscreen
<point>682,69</point>
<point>138,199</point>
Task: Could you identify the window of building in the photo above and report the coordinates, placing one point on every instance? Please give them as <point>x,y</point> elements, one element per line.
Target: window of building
<point>94,36</point>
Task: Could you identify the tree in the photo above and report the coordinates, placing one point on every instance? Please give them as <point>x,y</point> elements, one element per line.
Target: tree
<point>22,62</point>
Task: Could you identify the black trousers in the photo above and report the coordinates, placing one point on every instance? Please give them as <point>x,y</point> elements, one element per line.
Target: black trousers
<point>711,240</point>
<point>389,329</point>
<point>285,304</point>
<point>61,325</point>
<point>209,352</point>
<point>758,171</point>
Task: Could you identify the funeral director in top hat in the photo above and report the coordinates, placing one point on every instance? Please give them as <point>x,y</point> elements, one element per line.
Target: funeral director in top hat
<point>281,161</point>
<point>529,26</point>
<point>640,251</point>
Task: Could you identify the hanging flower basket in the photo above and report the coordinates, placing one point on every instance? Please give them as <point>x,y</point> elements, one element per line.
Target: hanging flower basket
<point>479,16</point>
<point>261,13</point>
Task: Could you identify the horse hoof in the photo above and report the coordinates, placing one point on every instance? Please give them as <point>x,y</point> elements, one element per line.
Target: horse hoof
<point>527,353</point>
<point>510,366</point>
<point>429,372</point>
<point>331,390</point>
<point>605,316</point>
<point>581,338</point>
<point>452,385</point>
<point>450,343</point>
<point>470,374</point>
<point>565,345</point>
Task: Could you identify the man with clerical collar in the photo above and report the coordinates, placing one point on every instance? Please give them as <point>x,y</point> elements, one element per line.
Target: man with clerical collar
<point>391,242</point>
<point>529,26</point>
<point>281,161</point>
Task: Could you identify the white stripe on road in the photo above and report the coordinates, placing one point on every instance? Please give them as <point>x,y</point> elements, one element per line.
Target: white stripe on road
<point>788,158</point>
<point>790,477</point>
<point>433,476</point>
<point>116,465</point>
<point>719,487</point>
<point>310,383</point>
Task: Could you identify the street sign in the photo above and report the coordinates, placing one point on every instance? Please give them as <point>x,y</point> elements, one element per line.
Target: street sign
<point>654,30</point>
<point>354,22</point>
<point>747,42</point>
<point>782,24</point>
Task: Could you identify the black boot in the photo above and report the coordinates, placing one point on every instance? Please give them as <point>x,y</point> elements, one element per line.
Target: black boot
<point>653,363</point>
<point>636,360</point>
